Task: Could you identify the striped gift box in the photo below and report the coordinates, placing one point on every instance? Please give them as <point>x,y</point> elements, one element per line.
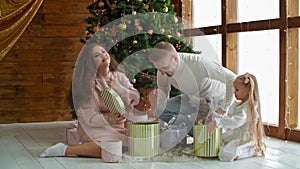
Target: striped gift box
<point>143,140</point>
<point>113,101</point>
<point>206,144</point>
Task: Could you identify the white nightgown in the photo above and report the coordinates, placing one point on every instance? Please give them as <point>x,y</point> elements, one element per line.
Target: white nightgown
<point>236,140</point>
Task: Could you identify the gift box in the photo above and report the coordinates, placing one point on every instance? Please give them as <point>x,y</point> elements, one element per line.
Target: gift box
<point>173,136</point>
<point>113,101</point>
<point>111,151</point>
<point>206,144</point>
<point>71,136</point>
<point>143,139</point>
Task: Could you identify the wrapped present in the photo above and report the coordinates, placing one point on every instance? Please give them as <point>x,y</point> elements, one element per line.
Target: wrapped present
<point>113,101</point>
<point>173,136</point>
<point>143,139</point>
<point>71,136</point>
<point>206,144</point>
<point>111,151</point>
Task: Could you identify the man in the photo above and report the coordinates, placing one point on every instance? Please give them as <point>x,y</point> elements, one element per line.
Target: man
<point>203,82</point>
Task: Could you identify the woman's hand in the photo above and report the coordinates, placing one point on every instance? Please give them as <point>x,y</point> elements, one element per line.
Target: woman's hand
<point>102,82</point>
<point>119,118</point>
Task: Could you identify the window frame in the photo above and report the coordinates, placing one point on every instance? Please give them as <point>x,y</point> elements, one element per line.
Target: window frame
<point>288,19</point>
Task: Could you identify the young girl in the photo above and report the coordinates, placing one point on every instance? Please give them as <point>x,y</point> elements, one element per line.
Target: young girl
<point>244,135</point>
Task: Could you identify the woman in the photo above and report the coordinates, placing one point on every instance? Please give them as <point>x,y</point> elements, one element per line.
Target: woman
<point>94,71</point>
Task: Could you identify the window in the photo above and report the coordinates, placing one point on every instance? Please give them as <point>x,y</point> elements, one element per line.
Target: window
<point>259,36</point>
<point>257,10</point>
<point>259,54</point>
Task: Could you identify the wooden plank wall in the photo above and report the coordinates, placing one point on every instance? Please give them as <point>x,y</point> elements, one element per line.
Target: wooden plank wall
<point>36,74</point>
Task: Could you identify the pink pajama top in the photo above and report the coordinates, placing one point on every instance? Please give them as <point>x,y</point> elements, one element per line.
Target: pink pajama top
<point>96,123</point>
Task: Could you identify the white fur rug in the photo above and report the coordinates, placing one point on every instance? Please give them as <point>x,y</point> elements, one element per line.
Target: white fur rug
<point>176,154</point>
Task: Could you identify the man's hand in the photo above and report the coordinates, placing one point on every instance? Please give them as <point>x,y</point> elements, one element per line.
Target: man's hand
<point>211,126</point>
<point>194,101</point>
<point>220,111</point>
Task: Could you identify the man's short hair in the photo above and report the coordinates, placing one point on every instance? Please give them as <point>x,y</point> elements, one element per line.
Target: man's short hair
<point>162,49</point>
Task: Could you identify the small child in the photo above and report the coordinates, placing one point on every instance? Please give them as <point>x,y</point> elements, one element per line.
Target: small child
<point>245,132</point>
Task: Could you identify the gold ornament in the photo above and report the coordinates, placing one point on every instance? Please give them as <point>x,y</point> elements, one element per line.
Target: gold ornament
<point>122,26</point>
<point>134,42</point>
<point>165,9</point>
<point>133,80</point>
<point>169,36</point>
<point>175,19</point>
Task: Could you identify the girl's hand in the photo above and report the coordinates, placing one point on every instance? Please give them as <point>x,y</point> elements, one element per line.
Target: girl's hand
<point>220,111</point>
<point>211,126</point>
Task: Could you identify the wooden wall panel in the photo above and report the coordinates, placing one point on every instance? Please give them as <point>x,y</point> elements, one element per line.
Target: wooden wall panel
<point>35,76</point>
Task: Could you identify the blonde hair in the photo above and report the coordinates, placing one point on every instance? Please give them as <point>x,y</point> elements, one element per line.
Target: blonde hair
<point>256,128</point>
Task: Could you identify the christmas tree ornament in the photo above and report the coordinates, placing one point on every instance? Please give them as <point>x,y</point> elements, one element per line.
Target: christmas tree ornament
<point>165,9</point>
<point>101,4</point>
<point>150,32</point>
<point>136,22</point>
<point>122,26</point>
<point>133,12</point>
<point>134,42</point>
<point>178,35</point>
<point>128,22</point>
<point>96,28</point>
<point>133,80</point>
<point>169,36</point>
<point>140,28</point>
<point>175,19</point>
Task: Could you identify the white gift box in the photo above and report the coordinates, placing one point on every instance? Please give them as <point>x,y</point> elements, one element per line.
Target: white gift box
<point>71,136</point>
<point>173,136</point>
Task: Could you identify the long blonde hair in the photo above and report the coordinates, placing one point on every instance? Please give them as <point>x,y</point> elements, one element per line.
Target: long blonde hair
<point>256,127</point>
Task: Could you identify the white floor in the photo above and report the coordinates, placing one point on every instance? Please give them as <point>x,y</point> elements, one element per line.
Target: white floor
<point>21,144</point>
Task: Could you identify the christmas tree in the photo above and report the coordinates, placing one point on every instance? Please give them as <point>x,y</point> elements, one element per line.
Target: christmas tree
<point>128,29</point>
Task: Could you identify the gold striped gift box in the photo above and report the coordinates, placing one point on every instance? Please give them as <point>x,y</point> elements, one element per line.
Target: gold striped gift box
<point>206,144</point>
<point>143,140</point>
<point>113,101</point>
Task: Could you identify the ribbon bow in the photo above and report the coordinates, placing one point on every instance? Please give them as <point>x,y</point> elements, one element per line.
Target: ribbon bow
<point>247,77</point>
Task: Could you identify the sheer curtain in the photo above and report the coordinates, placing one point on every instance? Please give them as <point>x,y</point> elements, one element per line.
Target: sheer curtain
<point>15,16</point>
